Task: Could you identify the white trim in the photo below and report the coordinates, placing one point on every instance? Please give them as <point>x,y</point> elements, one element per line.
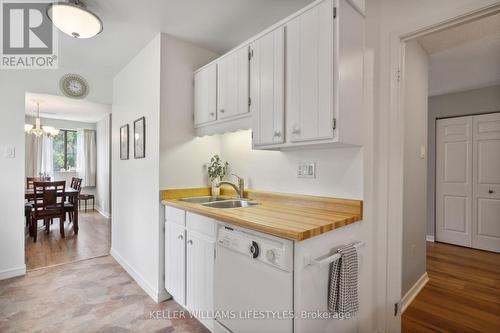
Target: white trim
<point>12,272</point>
<point>413,292</point>
<point>102,212</point>
<point>157,295</point>
<point>429,238</point>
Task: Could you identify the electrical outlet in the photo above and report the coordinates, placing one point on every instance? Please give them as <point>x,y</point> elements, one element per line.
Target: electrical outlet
<point>306,170</point>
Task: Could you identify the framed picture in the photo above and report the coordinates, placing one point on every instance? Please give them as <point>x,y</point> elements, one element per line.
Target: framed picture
<point>124,142</point>
<point>140,138</point>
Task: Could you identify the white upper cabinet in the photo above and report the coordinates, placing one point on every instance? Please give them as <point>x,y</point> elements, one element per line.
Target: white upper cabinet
<point>305,85</point>
<point>205,95</point>
<point>267,88</point>
<point>232,84</point>
<point>309,74</point>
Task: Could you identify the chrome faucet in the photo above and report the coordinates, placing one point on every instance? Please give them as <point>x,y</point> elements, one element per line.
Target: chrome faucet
<point>240,188</point>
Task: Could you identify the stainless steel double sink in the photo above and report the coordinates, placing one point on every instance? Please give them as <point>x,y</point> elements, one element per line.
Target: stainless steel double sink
<point>220,202</point>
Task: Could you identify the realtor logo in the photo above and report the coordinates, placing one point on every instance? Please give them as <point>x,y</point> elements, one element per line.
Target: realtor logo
<point>29,40</point>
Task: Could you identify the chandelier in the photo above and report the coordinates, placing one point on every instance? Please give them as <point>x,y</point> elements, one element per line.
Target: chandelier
<point>39,130</point>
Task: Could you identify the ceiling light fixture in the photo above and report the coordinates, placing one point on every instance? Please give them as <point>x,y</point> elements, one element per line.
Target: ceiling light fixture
<point>74,19</point>
<point>39,130</point>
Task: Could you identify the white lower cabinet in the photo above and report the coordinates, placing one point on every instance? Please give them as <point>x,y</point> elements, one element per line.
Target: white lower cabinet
<point>175,261</point>
<point>189,262</point>
<point>200,252</point>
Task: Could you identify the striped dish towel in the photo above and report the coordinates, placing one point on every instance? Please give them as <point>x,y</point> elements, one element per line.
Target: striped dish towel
<point>343,283</point>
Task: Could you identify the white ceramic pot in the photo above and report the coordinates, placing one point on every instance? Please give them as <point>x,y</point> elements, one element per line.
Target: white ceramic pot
<point>215,187</point>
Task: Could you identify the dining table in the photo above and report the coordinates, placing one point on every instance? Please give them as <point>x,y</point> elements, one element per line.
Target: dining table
<point>29,195</point>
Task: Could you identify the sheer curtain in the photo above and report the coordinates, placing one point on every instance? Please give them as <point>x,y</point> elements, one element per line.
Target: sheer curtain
<point>86,157</point>
<point>39,155</point>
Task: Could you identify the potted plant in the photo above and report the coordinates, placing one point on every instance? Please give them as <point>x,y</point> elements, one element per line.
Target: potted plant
<point>217,169</point>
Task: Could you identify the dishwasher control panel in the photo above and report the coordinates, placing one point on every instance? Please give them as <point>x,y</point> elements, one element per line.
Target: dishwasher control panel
<point>265,248</point>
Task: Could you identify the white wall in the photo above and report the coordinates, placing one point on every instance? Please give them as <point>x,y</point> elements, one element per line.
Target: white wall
<point>182,155</point>
<point>415,167</point>
<point>135,185</point>
<point>13,86</point>
<point>157,84</point>
<point>469,66</point>
<point>103,176</point>
<point>339,172</point>
<point>62,123</point>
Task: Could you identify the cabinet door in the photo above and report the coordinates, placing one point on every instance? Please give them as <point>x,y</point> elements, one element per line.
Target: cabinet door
<point>309,74</point>
<point>267,84</point>
<point>175,251</point>
<point>200,274</point>
<point>205,95</point>
<point>232,84</point>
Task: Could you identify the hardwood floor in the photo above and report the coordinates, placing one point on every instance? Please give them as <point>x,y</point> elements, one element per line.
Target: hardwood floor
<point>93,239</point>
<point>462,295</point>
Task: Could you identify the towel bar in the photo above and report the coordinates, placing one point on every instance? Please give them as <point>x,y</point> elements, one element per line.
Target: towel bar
<point>322,262</point>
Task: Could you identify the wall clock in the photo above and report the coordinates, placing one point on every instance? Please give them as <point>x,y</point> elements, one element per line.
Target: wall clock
<point>74,86</point>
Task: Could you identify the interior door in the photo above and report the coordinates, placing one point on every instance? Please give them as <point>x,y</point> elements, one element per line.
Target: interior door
<point>175,261</point>
<point>454,181</point>
<point>267,88</point>
<point>205,95</point>
<point>486,180</point>
<point>232,84</point>
<point>309,74</point>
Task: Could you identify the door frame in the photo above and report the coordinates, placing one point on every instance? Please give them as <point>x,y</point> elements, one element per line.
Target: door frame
<point>393,188</point>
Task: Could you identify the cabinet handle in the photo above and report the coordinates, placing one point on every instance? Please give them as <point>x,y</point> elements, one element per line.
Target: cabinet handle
<point>181,237</point>
<point>190,242</point>
<point>490,191</point>
<point>222,110</point>
<point>277,134</point>
<point>296,129</point>
<point>211,113</point>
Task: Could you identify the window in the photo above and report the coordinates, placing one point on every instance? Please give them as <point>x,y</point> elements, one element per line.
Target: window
<point>65,151</point>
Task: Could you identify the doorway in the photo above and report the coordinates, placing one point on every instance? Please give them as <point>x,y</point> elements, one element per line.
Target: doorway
<point>447,70</point>
<point>67,142</point>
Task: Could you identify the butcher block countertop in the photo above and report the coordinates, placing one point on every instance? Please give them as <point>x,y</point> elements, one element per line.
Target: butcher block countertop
<point>290,216</point>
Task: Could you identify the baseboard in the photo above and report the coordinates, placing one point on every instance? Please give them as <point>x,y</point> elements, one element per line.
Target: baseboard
<point>12,272</point>
<point>157,296</point>
<point>102,212</point>
<point>413,292</point>
<point>429,238</point>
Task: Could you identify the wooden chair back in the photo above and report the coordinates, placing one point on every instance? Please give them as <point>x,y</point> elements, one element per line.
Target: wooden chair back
<point>49,198</point>
<point>76,183</point>
<point>31,180</point>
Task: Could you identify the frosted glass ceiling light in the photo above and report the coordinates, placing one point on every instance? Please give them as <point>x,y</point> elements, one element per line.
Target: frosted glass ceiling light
<point>74,19</point>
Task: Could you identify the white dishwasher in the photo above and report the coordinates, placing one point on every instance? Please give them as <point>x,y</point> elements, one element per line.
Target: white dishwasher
<point>253,289</point>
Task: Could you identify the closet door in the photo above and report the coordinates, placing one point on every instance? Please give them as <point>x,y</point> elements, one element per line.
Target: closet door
<point>454,181</point>
<point>486,180</point>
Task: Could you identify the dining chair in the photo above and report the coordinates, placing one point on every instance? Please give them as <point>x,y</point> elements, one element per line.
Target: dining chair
<point>48,204</point>
<point>69,207</point>
<point>31,180</point>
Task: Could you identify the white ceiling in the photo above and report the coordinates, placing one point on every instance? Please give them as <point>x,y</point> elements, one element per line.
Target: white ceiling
<point>130,24</point>
<point>464,57</point>
<point>461,34</point>
<point>59,107</point>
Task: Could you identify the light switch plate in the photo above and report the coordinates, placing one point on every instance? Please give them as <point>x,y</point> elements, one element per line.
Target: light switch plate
<point>9,152</point>
<point>306,170</point>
